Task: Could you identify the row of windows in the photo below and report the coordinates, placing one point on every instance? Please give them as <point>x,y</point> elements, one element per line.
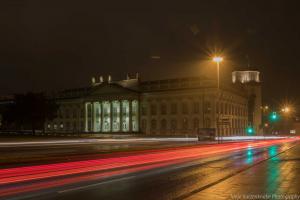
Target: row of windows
<point>173,124</point>
<point>70,113</point>
<point>173,108</point>
<point>66,126</point>
<point>231,131</point>
<point>230,109</point>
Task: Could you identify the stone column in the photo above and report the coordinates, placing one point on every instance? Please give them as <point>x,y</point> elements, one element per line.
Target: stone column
<point>111,117</point>
<point>86,117</point>
<point>130,115</point>
<point>102,116</point>
<point>92,117</point>
<point>121,116</point>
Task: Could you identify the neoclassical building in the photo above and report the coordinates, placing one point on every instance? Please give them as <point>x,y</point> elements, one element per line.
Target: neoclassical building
<point>165,107</point>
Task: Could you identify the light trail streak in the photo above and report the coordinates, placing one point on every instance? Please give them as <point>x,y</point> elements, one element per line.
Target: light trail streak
<point>126,140</point>
<point>19,179</point>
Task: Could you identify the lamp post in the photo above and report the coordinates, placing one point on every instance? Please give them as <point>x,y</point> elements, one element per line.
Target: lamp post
<point>287,114</point>
<point>218,60</point>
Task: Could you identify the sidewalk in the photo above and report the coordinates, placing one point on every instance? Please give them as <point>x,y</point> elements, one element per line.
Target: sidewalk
<point>276,178</point>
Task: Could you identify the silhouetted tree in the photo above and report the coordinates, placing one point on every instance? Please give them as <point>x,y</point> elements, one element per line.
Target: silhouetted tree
<point>30,111</point>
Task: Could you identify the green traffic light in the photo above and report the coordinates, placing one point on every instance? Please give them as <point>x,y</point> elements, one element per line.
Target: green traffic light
<point>274,117</point>
<point>250,130</point>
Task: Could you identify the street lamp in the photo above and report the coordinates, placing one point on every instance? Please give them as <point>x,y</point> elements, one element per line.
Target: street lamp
<point>218,60</point>
<point>286,109</point>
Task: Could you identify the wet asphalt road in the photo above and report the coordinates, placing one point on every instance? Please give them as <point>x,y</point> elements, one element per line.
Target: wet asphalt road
<point>189,180</point>
<point>16,154</point>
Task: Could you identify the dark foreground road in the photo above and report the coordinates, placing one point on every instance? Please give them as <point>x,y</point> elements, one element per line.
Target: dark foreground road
<point>221,171</point>
<point>15,151</point>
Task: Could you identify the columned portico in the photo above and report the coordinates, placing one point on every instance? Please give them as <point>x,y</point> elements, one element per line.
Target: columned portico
<point>112,116</point>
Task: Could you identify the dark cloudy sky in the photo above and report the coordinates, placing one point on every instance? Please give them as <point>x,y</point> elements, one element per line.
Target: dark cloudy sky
<point>48,44</point>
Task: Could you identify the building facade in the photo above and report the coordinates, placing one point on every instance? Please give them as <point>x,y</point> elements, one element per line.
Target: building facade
<point>165,107</point>
<point>250,81</point>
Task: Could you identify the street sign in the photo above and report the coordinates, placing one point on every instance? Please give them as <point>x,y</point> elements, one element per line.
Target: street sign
<point>224,121</point>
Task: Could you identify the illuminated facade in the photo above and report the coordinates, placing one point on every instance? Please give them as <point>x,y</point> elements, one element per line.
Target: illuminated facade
<point>111,116</point>
<point>250,81</point>
<point>166,107</point>
<point>245,76</point>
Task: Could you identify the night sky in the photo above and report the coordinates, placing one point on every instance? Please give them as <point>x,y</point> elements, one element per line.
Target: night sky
<point>51,45</point>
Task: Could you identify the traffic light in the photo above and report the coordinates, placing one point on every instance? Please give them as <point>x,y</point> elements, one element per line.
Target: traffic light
<point>250,130</point>
<point>274,117</point>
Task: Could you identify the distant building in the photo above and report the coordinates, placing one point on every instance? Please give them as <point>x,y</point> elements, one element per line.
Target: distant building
<point>245,77</point>
<point>166,107</point>
<point>251,83</point>
<point>5,101</point>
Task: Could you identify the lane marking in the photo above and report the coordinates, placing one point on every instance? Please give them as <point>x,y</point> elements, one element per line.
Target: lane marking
<point>94,185</point>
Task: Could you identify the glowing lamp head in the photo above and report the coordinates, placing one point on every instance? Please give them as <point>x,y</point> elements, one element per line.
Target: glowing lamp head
<point>285,109</point>
<point>217,59</point>
<point>274,117</point>
<point>250,130</point>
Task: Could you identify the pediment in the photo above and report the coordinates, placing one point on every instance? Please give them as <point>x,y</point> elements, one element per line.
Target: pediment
<point>106,88</point>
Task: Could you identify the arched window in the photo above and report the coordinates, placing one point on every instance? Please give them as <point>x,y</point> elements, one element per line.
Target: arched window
<point>185,109</point>
<point>144,124</point>
<point>74,126</point>
<point>173,124</point>
<point>173,108</point>
<point>67,125</point>
<point>67,114</point>
<point>196,107</point>
<point>163,109</point>
<point>207,107</point>
<point>207,123</point>
<point>221,108</point>
<point>163,124</point>
<point>196,123</point>
<point>226,109</point>
<point>144,110</point>
<point>82,113</point>
<point>153,110</point>
<point>185,124</point>
<point>153,124</point>
<point>74,113</point>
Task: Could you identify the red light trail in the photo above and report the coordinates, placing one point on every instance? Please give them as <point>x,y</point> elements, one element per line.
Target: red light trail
<point>20,179</point>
